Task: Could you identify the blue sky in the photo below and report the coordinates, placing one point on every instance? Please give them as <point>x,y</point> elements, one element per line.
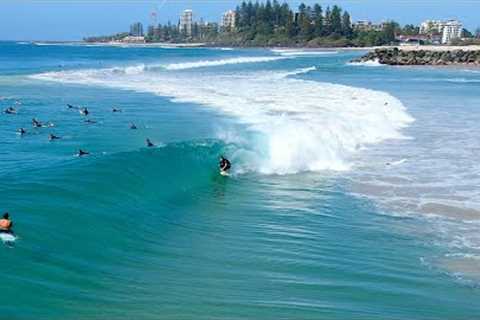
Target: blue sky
<point>75,19</point>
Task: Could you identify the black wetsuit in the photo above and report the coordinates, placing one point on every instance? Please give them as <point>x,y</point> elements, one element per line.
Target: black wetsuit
<point>82,153</point>
<point>225,165</point>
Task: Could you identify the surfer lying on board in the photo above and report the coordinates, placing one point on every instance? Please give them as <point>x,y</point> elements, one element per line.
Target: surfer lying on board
<point>6,224</point>
<point>224,164</point>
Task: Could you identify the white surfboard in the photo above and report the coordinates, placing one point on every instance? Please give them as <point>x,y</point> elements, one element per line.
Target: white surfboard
<point>8,238</point>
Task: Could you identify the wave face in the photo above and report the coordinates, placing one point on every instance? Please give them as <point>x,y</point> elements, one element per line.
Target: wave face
<point>216,63</point>
<point>300,125</point>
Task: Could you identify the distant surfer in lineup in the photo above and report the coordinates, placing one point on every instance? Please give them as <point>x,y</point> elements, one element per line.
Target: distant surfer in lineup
<point>10,110</point>
<point>6,224</point>
<point>224,165</point>
<point>84,111</point>
<point>133,126</point>
<point>52,137</point>
<point>36,123</point>
<point>116,110</point>
<point>82,153</point>
<point>149,143</point>
<point>21,131</point>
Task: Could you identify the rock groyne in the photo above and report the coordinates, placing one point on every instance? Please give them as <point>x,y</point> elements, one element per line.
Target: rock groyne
<point>399,57</point>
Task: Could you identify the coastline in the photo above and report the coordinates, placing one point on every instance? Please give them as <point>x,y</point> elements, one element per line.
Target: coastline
<point>303,48</point>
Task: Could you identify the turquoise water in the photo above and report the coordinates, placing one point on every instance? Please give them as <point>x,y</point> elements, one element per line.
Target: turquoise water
<point>343,203</point>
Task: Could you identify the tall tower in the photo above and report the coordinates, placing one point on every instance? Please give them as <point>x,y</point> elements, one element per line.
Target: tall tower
<point>186,22</point>
<point>154,18</point>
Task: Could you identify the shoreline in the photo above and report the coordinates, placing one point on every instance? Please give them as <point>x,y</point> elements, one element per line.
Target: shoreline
<point>439,48</point>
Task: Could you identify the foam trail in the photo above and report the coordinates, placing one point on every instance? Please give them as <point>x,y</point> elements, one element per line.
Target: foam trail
<point>374,63</point>
<point>292,52</point>
<point>300,125</point>
<point>216,63</point>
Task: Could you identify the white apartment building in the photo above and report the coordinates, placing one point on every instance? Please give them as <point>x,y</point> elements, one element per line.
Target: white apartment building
<point>451,30</point>
<point>228,19</point>
<point>186,22</point>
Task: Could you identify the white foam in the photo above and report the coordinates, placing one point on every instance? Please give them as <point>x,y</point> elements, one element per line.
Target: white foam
<point>301,125</point>
<point>293,52</point>
<point>371,63</point>
<point>216,63</point>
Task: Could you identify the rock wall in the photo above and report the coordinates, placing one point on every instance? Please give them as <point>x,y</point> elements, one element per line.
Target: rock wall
<point>398,57</point>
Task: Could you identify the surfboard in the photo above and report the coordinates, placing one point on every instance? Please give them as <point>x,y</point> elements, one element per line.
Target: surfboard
<point>224,173</point>
<point>7,238</point>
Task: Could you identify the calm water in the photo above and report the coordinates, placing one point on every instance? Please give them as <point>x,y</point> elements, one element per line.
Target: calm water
<point>354,192</point>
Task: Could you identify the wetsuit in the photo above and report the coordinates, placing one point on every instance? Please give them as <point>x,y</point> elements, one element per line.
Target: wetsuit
<point>225,165</point>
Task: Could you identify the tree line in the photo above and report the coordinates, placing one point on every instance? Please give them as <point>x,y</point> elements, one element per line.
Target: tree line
<point>271,23</point>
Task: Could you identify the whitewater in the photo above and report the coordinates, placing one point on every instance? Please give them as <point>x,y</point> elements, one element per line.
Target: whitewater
<point>320,131</point>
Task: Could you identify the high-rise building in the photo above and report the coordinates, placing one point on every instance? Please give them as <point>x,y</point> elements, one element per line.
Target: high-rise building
<point>451,30</point>
<point>136,30</point>
<point>448,30</point>
<point>228,20</point>
<point>186,22</point>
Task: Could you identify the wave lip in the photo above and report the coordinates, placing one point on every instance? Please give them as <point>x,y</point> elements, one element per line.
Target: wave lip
<point>295,52</point>
<point>372,63</point>
<point>299,125</point>
<point>216,63</point>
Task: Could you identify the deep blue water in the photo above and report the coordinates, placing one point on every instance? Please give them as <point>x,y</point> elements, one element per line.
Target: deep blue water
<point>339,205</point>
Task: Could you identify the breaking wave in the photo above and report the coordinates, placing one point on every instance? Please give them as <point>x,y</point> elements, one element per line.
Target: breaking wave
<point>216,63</point>
<point>297,125</point>
<point>292,52</point>
<point>373,63</point>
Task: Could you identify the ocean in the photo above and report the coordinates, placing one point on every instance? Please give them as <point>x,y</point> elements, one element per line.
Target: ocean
<point>353,192</point>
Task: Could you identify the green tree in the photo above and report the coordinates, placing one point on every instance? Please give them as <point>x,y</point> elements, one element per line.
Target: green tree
<point>467,34</point>
<point>305,22</point>
<point>318,20</point>
<point>388,33</point>
<point>410,30</point>
<point>327,26</point>
<point>336,20</point>
<point>347,30</point>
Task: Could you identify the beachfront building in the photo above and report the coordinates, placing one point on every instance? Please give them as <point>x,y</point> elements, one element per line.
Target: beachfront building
<point>136,30</point>
<point>447,30</point>
<point>186,22</point>
<point>365,26</point>
<point>133,39</point>
<point>452,30</point>
<point>431,27</point>
<point>362,25</point>
<point>228,20</point>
